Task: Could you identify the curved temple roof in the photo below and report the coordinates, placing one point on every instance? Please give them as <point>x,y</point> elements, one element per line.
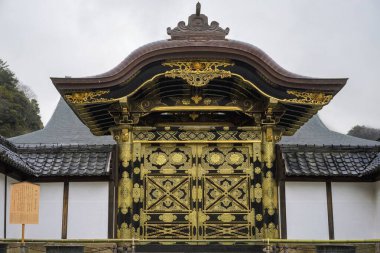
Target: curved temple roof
<point>190,53</point>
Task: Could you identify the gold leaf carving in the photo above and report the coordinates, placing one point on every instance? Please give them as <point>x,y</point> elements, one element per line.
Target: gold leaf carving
<point>314,98</point>
<point>136,217</point>
<point>257,170</point>
<point>197,73</point>
<point>143,217</point>
<point>271,230</point>
<point>137,193</point>
<point>250,217</point>
<point>226,217</point>
<point>125,231</point>
<point>269,193</point>
<point>167,217</point>
<point>87,97</point>
<point>258,193</point>
<point>125,193</point>
<point>192,217</point>
<point>196,99</point>
<point>121,136</point>
<point>202,217</point>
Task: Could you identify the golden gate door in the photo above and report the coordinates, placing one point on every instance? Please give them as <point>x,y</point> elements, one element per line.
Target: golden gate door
<point>225,173</point>
<point>197,191</point>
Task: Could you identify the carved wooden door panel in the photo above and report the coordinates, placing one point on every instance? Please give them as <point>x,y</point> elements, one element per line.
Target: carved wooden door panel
<point>225,173</point>
<point>197,191</point>
<point>168,202</point>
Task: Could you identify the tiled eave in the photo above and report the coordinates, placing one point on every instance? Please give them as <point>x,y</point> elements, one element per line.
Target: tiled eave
<point>330,161</point>
<point>56,160</point>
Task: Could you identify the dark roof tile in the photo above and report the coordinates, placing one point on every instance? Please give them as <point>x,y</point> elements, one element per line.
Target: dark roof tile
<point>330,160</point>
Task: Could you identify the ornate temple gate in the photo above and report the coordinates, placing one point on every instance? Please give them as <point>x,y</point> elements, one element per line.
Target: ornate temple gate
<point>196,185</point>
<point>196,119</point>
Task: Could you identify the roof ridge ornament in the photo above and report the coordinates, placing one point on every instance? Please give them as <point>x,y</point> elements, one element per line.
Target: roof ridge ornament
<point>198,28</point>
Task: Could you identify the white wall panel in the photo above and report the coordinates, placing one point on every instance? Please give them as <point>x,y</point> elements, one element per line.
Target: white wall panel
<point>50,218</point>
<point>13,230</point>
<point>2,203</point>
<point>88,210</point>
<point>354,207</point>
<point>306,210</point>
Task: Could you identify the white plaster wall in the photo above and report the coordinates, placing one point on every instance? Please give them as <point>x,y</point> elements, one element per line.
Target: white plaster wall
<point>2,203</point>
<point>306,210</point>
<point>50,218</point>
<point>377,226</point>
<point>13,230</point>
<point>354,207</point>
<point>88,210</point>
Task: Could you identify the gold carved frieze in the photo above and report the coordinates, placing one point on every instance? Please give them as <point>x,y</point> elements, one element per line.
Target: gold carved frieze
<point>88,97</point>
<point>197,136</point>
<point>197,73</point>
<point>312,98</point>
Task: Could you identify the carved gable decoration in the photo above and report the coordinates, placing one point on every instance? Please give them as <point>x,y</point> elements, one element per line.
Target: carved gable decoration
<point>198,28</point>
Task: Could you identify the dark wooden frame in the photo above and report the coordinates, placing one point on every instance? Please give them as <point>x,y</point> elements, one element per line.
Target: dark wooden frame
<point>330,213</point>
<point>5,203</point>
<point>281,188</point>
<point>112,194</point>
<point>65,209</point>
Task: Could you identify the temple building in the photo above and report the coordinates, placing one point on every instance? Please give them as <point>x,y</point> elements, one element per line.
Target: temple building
<point>195,138</point>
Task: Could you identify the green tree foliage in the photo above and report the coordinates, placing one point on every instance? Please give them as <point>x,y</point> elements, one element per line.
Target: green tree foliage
<point>365,133</point>
<point>18,114</point>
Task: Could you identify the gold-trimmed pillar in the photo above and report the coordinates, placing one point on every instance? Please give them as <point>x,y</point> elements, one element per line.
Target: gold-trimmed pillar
<point>123,138</point>
<point>269,186</point>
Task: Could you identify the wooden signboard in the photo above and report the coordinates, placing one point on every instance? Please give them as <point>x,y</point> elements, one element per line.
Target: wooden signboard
<point>25,203</point>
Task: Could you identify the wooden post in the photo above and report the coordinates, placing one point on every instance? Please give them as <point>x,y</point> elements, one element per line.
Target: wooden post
<point>23,234</point>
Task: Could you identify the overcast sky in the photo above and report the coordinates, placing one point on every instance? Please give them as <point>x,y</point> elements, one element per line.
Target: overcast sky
<point>325,38</point>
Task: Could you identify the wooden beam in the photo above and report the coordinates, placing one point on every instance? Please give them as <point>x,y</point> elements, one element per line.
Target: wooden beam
<point>111,201</point>
<point>330,213</point>
<point>116,182</point>
<point>5,203</point>
<point>281,184</point>
<point>111,194</point>
<point>51,179</point>
<point>284,232</point>
<point>65,209</point>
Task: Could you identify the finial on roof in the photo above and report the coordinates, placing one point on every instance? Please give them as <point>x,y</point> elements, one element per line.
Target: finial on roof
<point>198,28</point>
<point>198,9</point>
